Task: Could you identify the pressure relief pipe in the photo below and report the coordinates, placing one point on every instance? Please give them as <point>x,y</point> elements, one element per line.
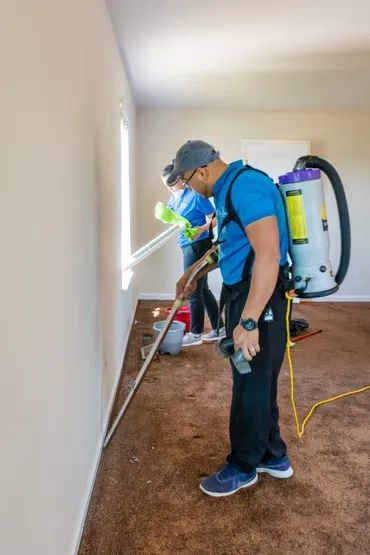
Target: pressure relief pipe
<point>308,162</point>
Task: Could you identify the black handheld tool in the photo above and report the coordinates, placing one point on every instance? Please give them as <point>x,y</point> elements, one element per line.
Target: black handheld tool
<point>226,347</point>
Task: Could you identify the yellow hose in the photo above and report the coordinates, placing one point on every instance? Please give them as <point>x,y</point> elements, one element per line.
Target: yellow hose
<point>301,427</point>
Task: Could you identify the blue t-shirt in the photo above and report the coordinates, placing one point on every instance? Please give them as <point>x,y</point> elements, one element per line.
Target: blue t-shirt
<point>254,196</point>
<point>194,208</point>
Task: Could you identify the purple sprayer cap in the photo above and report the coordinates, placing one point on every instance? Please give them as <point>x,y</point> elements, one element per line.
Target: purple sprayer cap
<point>299,176</point>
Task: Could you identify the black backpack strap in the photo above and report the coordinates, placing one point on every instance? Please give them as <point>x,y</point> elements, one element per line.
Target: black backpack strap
<point>232,216</point>
<point>211,235</point>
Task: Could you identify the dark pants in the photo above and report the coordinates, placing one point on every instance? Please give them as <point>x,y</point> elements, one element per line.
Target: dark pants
<point>203,296</point>
<point>254,418</point>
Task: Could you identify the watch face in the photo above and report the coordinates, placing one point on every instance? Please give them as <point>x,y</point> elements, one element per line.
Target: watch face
<point>249,324</point>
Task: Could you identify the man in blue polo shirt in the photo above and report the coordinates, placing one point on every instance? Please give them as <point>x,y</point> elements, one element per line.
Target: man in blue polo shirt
<point>253,253</point>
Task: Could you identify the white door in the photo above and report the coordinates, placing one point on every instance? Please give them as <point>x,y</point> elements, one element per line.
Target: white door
<point>274,157</point>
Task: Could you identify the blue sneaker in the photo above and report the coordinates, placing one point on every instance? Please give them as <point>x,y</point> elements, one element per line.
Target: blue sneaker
<point>228,480</point>
<point>278,468</point>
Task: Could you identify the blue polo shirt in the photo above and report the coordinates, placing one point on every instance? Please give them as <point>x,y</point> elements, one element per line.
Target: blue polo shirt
<point>254,196</point>
<point>194,208</point>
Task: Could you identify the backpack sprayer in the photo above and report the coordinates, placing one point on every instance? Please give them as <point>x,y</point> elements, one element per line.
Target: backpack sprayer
<point>309,242</point>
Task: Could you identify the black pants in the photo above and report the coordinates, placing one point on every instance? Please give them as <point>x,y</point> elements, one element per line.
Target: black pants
<point>254,418</point>
<point>202,297</point>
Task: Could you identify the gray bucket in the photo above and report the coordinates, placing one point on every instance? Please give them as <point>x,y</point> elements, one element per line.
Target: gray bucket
<point>172,341</point>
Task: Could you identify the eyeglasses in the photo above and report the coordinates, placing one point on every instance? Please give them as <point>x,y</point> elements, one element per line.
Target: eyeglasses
<point>187,181</point>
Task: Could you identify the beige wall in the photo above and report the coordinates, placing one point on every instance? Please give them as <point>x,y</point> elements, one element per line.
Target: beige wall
<point>344,140</point>
<point>63,319</point>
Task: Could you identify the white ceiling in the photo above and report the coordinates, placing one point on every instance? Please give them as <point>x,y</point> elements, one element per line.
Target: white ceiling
<point>256,55</point>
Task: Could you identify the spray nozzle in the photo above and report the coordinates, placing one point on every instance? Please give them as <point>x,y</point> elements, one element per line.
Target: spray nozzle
<point>226,348</point>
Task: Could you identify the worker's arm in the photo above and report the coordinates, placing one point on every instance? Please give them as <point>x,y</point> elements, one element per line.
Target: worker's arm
<point>184,290</point>
<point>263,236</point>
<point>205,227</point>
<point>212,220</point>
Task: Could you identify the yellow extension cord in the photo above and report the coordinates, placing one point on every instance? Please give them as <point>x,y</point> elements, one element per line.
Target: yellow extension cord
<point>300,427</point>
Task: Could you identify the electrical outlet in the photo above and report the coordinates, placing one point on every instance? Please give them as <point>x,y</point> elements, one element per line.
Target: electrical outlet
<point>358,271</point>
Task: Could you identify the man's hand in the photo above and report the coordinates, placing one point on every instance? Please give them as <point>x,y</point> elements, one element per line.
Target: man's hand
<point>247,341</point>
<point>200,230</point>
<point>183,289</point>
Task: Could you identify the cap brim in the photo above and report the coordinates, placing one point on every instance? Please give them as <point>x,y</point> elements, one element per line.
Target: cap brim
<point>173,178</point>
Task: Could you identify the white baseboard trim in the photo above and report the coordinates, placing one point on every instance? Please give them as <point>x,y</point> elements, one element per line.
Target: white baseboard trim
<point>156,297</point>
<point>91,482</point>
<point>330,298</point>
<point>89,490</point>
<point>341,299</point>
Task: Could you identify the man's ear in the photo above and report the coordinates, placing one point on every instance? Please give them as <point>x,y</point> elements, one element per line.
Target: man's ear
<point>203,174</point>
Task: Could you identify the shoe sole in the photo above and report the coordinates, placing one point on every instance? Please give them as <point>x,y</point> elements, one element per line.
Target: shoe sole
<point>276,473</point>
<point>214,340</point>
<point>214,494</point>
<point>192,344</point>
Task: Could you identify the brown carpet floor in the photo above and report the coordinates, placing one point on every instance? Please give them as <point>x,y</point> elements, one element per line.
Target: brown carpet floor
<point>146,498</point>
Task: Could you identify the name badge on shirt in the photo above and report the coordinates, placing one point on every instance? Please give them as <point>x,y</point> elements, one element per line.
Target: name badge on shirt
<point>268,315</point>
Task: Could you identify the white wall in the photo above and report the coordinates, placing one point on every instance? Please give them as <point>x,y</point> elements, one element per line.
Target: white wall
<point>342,139</point>
<point>63,319</point>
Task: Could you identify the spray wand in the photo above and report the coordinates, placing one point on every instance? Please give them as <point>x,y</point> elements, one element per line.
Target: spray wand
<point>209,259</point>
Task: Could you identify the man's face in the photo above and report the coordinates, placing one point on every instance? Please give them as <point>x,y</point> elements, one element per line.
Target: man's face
<point>199,180</point>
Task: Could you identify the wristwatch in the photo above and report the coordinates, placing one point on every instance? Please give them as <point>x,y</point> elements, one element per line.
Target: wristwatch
<point>248,324</point>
